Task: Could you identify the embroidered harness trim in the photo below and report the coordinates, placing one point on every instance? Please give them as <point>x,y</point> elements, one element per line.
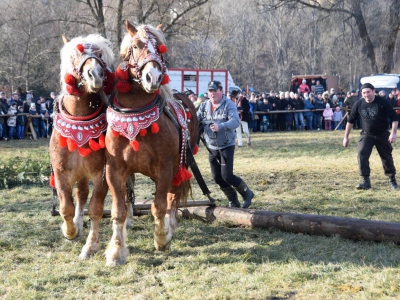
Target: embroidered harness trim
<point>129,124</point>
<point>80,130</point>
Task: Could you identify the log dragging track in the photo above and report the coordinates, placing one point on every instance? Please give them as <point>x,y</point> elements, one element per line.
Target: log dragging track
<point>349,228</point>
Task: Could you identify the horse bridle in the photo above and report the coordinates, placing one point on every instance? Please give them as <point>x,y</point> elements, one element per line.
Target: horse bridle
<point>154,55</point>
<point>85,56</point>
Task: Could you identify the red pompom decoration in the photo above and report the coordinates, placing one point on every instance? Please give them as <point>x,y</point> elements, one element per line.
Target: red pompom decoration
<point>122,74</point>
<point>182,175</point>
<point>84,151</point>
<point>162,48</point>
<point>62,141</point>
<point>196,149</point>
<point>114,133</point>
<point>52,181</point>
<point>110,82</point>
<point>69,79</point>
<point>165,79</point>
<point>142,132</point>
<point>157,92</point>
<point>102,141</point>
<point>154,128</point>
<point>72,90</point>
<point>72,145</point>
<point>188,115</point>
<point>80,48</point>
<point>123,86</point>
<point>135,145</point>
<point>94,145</point>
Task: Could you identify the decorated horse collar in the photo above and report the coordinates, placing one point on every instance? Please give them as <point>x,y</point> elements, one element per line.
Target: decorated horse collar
<point>80,129</point>
<point>129,122</point>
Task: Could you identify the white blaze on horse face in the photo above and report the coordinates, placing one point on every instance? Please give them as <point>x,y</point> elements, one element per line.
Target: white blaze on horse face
<point>93,74</point>
<point>151,76</point>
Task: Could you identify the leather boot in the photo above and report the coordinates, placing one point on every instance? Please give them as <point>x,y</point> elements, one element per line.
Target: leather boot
<point>231,194</point>
<point>246,193</point>
<point>393,182</point>
<point>365,184</point>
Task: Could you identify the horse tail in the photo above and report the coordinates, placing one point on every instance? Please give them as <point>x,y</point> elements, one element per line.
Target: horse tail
<point>185,190</point>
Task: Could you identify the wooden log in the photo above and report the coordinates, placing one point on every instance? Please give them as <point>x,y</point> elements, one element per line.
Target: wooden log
<point>349,228</point>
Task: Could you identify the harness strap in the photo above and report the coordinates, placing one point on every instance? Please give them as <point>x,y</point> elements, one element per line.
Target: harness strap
<point>191,162</point>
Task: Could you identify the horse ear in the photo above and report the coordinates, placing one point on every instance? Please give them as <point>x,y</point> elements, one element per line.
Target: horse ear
<point>130,28</point>
<point>65,40</point>
<point>159,27</point>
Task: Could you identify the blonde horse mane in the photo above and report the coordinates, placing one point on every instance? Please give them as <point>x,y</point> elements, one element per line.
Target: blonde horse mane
<point>69,54</point>
<point>165,90</point>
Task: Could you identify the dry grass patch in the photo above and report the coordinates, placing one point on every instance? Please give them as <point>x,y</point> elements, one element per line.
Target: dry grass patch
<point>306,172</point>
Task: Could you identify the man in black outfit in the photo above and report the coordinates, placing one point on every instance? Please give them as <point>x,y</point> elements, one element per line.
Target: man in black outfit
<point>374,112</point>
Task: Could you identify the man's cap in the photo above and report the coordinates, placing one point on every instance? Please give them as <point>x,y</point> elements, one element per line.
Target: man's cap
<point>332,89</point>
<point>2,93</point>
<point>214,85</point>
<point>201,96</point>
<point>367,86</point>
<point>234,93</point>
<point>15,93</point>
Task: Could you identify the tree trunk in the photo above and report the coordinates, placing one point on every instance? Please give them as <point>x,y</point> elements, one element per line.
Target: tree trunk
<point>119,21</point>
<point>390,39</point>
<point>365,39</point>
<point>356,229</point>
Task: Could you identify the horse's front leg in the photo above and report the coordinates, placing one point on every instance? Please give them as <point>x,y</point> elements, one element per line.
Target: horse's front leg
<point>164,225</point>
<point>95,211</point>
<point>117,251</point>
<point>81,196</point>
<point>67,208</point>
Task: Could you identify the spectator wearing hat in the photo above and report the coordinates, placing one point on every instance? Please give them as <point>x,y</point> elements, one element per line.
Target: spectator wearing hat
<point>374,111</point>
<point>50,110</point>
<point>243,107</point>
<point>12,120</point>
<point>265,106</point>
<point>21,123</point>
<point>35,121</point>
<point>328,115</point>
<point>304,88</point>
<point>219,118</point>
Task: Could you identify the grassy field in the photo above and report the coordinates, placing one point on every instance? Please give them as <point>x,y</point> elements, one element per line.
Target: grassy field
<point>291,172</point>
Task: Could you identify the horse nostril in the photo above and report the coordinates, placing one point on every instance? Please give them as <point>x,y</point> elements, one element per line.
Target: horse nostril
<point>148,78</point>
<point>90,74</point>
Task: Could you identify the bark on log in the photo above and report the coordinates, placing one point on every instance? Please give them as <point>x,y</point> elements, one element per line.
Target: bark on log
<point>349,228</point>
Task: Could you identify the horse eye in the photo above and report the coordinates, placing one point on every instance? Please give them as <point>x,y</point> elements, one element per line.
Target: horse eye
<point>100,55</point>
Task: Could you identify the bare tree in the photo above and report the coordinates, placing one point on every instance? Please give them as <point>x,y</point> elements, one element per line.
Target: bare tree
<point>353,9</point>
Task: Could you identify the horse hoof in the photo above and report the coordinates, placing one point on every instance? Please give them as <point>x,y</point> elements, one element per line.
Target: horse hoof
<point>162,248</point>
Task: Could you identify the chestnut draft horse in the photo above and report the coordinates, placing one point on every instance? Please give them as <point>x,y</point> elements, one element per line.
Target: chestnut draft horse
<point>148,133</point>
<point>77,145</point>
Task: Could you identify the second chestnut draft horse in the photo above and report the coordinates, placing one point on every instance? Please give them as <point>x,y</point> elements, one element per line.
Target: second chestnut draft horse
<point>77,145</point>
<point>148,133</point>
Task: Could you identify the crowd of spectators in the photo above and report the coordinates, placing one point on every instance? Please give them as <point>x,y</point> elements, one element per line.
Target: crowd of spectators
<point>14,112</point>
<point>304,107</point>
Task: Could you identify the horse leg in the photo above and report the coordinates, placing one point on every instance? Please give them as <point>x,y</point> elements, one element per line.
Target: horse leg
<point>163,231</point>
<point>95,210</point>
<point>81,196</point>
<point>67,209</point>
<point>130,199</point>
<point>117,251</point>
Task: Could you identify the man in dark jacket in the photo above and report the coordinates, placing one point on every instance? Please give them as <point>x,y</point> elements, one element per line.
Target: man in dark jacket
<point>3,120</point>
<point>374,112</point>
<point>243,107</point>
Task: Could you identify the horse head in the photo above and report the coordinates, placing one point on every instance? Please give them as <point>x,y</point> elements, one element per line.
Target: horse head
<point>84,62</point>
<point>142,53</point>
